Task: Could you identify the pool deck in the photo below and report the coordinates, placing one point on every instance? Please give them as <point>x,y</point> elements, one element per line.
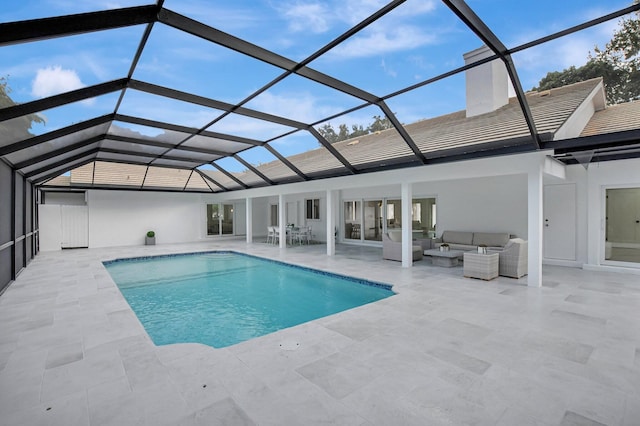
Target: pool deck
<point>446,350</point>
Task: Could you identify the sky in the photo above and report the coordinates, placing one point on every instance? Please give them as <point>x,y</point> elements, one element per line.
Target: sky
<point>417,40</point>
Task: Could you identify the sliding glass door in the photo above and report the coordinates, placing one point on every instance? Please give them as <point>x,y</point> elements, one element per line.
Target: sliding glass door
<point>366,220</point>
<point>372,226</point>
<point>219,219</point>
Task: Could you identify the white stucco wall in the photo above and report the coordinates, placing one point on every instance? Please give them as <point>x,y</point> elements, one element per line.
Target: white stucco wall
<point>121,218</point>
<point>492,204</point>
<point>488,204</point>
<point>65,198</point>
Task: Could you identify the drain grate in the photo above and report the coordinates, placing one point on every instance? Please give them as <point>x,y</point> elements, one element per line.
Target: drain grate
<point>289,345</point>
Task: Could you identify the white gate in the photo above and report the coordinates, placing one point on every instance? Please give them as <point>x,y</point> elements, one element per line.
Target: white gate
<point>75,226</point>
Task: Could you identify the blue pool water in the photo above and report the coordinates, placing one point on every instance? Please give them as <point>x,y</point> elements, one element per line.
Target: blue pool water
<point>223,298</point>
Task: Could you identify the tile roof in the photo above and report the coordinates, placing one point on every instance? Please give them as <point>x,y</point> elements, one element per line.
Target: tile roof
<point>131,175</point>
<point>550,109</point>
<point>615,118</point>
<point>434,137</point>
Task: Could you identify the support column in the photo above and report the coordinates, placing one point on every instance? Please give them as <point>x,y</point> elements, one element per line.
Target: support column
<point>281,221</point>
<point>331,224</point>
<point>535,227</point>
<point>407,255</point>
<point>249,219</point>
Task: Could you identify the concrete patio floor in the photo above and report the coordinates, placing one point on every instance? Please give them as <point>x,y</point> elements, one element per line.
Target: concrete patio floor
<point>446,350</point>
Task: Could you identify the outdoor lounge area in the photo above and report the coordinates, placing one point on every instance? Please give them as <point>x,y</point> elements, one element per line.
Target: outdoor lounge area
<point>471,167</point>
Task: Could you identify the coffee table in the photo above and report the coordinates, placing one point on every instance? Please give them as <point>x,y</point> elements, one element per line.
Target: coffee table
<point>446,259</point>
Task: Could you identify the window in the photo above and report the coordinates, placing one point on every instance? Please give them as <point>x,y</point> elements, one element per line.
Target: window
<point>313,209</point>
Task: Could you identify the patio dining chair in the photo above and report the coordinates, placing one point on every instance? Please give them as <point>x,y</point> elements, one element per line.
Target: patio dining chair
<point>297,233</point>
<point>303,234</point>
<point>273,234</point>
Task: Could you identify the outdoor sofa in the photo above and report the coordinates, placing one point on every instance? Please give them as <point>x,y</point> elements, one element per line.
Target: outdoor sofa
<point>513,261</point>
<point>514,258</point>
<point>392,247</point>
<point>465,241</point>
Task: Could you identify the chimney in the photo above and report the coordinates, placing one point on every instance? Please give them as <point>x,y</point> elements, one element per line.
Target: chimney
<point>487,84</point>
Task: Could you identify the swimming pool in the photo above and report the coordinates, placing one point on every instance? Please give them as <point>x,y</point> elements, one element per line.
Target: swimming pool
<point>223,298</point>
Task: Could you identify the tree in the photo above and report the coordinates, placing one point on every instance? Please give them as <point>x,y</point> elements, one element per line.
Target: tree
<point>18,128</point>
<point>328,132</point>
<point>379,124</point>
<point>343,132</point>
<point>618,64</point>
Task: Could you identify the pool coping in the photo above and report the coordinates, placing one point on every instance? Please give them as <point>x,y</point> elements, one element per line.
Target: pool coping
<point>361,281</point>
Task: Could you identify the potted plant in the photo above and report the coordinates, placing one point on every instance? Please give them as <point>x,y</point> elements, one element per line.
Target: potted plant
<point>482,248</point>
<point>444,247</point>
<point>150,239</point>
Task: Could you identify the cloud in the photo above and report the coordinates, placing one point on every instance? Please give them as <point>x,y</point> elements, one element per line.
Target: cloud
<point>312,17</point>
<point>557,55</point>
<point>403,37</point>
<point>354,11</point>
<point>251,128</point>
<point>387,69</point>
<point>71,6</point>
<point>54,80</point>
<point>298,106</point>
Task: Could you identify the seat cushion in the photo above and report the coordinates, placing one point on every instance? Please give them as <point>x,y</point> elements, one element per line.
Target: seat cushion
<point>457,237</point>
<point>490,239</point>
<point>395,236</point>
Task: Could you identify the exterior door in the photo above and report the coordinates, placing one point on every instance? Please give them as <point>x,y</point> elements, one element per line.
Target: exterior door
<point>559,222</point>
<point>623,216</point>
<point>622,238</point>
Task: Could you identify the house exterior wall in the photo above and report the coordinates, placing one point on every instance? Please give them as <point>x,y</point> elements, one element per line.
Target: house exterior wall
<point>491,204</point>
<point>498,203</point>
<point>66,198</point>
<point>491,197</point>
<point>590,217</point>
<point>121,218</point>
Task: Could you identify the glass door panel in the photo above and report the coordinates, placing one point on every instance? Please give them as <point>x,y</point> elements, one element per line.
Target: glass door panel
<point>273,215</point>
<point>213,219</point>
<point>227,219</point>
<point>394,215</point>
<point>423,218</point>
<point>352,220</point>
<point>372,220</point>
<point>622,237</point>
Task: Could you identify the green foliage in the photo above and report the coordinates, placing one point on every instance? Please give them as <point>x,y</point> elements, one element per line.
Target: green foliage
<point>618,64</point>
<point>151,234</point>
<point>329,133</point>
<point>17,128</point>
